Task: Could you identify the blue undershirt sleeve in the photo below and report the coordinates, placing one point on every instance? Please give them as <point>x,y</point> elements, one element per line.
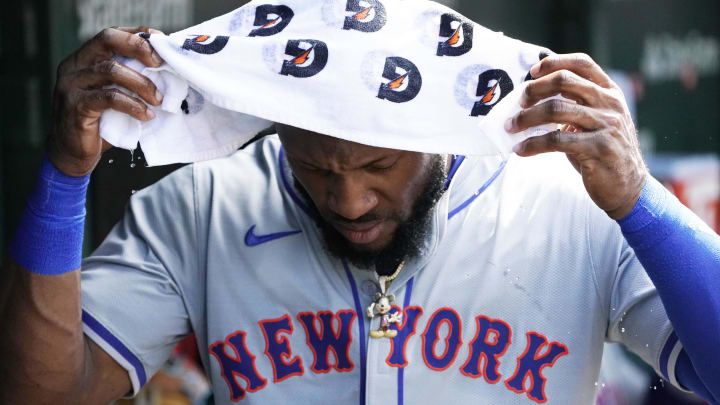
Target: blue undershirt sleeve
<point>681,255</point>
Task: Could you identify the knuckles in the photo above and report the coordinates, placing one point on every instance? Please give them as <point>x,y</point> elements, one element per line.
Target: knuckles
<point>107,67</point>
<point>554,107</point>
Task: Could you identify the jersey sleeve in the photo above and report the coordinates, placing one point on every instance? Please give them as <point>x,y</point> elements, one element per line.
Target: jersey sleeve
<point>636,317</point>
<point>132,298</point>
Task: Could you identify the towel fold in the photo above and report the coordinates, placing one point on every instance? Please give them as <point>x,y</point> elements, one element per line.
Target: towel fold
<point>411,75</point>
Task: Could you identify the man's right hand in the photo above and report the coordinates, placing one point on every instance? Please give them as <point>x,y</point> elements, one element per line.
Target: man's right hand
<point>74,144</point>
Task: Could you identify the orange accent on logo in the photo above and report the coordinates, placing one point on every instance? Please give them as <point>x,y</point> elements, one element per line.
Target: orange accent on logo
<point>302,58</point>
<point>363,14</point>
<point>455,38</point>
<point>202,38</point>
<point>490,94</point>
<point>271,23</point>
<point>397,82</point>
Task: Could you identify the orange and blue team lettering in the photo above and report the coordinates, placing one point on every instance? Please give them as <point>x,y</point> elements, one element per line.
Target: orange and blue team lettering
<point>321,343</point>
<point>453,340</point>
<point>491,341</point>
<point>278,348</point>
<point>327,332</point>
<point>407,328</point>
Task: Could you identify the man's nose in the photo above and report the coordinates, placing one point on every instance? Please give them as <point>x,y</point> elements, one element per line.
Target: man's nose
<point>351,198</point>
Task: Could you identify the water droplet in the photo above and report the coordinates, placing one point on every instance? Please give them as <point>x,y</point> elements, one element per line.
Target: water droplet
<point>655,387</point>
<point>132,165</point>
<point>596,384</point>
<point>622,330</point>
<point>139,157</point>
<point>647,345</point>
<point>613,309</point>
<point>111,161</point>
<point>133,191</point>
<point>517,278</point>
<point>506,272</point>
<point>603,385</point>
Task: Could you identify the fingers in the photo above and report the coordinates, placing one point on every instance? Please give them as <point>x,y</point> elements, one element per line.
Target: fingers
<point>578,63</point>
<point>93,102</point>
<point>124,42</point>
<point>109,72</point>
<point>555,112</point>
<point>565,83</point>
<point>558,141</point>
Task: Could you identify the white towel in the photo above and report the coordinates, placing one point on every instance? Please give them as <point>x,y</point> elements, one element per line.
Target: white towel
<point>411,75</point>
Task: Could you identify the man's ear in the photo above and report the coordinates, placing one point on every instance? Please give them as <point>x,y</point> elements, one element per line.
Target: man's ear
<point>377,296</point>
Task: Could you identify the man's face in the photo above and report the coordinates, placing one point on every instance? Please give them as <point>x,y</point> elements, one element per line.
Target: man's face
<point>374,203</point>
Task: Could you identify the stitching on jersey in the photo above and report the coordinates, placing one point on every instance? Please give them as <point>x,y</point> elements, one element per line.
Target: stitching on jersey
<point>196,208</point>
<point>592,265</point>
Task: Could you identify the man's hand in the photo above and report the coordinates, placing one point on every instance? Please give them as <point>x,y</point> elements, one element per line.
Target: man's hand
<point>74,145</point>
<point>598,134</point>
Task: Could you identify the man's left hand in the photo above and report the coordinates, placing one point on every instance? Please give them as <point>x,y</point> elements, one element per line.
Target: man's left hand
<point>598,135</point>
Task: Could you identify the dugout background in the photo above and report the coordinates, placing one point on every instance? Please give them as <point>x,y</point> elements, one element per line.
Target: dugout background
<point>666,52</point>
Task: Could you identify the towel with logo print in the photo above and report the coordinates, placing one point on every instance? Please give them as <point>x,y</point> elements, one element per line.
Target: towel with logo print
<point>411,75</point>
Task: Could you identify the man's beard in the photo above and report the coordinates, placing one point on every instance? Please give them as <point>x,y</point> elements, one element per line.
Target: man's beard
<point>410,234</point>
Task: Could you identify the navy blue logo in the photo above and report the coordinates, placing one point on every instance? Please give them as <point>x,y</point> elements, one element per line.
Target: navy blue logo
<point>206,44</point>
<point>309,57</point>
<point>251,239</point>
<point>493,86</point>
<point>459,34</point>
<point>366,18</point>
<point>404,85</point>
<point>271,19</point>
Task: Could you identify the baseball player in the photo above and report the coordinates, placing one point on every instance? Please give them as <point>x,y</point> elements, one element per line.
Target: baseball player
<point>507,276</point>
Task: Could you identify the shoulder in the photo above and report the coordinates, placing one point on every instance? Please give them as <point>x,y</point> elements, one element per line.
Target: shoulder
<point>546,196</point>
<point>549,177</point>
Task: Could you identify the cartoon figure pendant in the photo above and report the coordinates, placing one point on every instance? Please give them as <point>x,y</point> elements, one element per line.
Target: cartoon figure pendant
<point>382,306</point>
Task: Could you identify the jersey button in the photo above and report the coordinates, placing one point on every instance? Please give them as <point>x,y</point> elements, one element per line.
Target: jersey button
<point>369,287</point>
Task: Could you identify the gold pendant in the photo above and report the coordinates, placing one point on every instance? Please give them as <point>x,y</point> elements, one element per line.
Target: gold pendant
<point>381,307</point>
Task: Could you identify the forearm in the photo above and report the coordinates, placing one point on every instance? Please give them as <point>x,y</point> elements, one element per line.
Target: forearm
<point>682,257</point>
<point>42,349</point>
<point>44,355</point>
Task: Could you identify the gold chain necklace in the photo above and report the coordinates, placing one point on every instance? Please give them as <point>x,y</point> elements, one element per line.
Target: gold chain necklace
<point>397,271</point>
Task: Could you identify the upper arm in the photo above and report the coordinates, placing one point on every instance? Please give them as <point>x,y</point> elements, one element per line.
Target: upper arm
<point>105,378</point>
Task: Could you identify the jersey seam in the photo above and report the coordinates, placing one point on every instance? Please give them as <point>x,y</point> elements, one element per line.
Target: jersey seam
<point>197,219</point>
<point>590,257</point>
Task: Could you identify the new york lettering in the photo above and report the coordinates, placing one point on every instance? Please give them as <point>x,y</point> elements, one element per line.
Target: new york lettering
<point>329,336</point>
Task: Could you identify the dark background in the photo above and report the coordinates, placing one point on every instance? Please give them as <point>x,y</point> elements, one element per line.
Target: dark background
<point>668,50</point>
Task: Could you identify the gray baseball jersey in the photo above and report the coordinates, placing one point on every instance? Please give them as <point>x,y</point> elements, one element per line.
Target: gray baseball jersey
<point>521,281</point>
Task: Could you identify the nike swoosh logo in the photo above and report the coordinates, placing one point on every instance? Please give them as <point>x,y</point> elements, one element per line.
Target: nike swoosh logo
<point>251,239</point>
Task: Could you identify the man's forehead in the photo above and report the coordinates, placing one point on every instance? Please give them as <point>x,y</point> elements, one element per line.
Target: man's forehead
<point>312,145</point>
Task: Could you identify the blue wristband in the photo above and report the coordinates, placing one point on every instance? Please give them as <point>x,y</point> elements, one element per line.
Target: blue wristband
<point>50,234</point>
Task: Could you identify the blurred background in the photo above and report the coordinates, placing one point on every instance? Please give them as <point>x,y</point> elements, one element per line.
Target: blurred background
<point>665,54</point>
